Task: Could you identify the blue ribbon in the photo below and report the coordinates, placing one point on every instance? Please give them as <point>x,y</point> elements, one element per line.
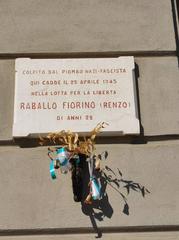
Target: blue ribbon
<point>95,189</point>
<point>62,156</point>
<point>95,183</point>
<point>52,170</point>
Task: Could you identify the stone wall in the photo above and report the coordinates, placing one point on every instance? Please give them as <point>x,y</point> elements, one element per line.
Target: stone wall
<point>30,203</point>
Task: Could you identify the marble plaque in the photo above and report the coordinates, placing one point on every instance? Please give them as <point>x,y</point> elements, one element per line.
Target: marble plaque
<point>75,94</point>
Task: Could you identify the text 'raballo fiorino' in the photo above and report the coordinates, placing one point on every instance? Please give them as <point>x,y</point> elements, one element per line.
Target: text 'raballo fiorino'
<point>73,105</point>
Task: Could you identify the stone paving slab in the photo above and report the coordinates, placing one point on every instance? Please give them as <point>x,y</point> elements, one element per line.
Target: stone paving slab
<point>86,26</point>
<point>31,200</point>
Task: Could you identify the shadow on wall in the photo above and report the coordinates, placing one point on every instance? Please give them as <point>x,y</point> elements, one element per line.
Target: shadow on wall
<point>175,13</point>
<point>100,209</point>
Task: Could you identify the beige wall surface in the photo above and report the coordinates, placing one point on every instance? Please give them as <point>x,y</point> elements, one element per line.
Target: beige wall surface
<point>30,202</point>
<point>157,91</point>
<point>111,236</point>
<point>85,26</point>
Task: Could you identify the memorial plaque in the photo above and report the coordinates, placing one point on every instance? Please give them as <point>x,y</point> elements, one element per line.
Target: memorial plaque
<point>75,94</point>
